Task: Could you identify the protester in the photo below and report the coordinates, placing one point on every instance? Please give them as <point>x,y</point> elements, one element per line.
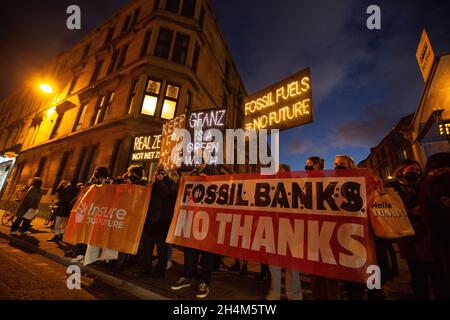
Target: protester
<point>434,202</point>
<point>175,176</point>
<point>191,255</point>
<point>159,216</point>
<point>100,177</point>
<point>67,194</point>
<point>134,175</point>
<point>293,284</point>
<point>31,200</point>
<point>416,249</point>
<point>322,288</point>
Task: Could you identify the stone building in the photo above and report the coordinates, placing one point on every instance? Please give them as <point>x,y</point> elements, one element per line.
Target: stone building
<point>151,61</point>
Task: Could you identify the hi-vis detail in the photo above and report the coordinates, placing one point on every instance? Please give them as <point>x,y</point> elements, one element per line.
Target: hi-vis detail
<point>315,223</point>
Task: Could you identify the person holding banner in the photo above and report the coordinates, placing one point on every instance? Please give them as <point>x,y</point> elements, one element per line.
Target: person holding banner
<point>416,250</point>
<point>191,256</point>
<point>100,177</point>
<point>28,208</point>
<point>293,284</point>
<point>67,194</point>
<point>322,288</point>
<point>159,216</point>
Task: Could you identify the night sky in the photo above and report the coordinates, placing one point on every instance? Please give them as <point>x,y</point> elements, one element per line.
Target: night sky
<point>363,81</point>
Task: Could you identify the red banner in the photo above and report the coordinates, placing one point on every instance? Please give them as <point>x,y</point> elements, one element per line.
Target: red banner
<point>316,223</point>
<point>109,216</point>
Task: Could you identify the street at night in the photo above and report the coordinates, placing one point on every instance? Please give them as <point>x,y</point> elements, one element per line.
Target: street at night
<point>30,276</point>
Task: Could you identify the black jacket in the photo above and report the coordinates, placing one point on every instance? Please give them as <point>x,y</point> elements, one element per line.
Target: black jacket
<point>162,202</point>
<point>66,200</point>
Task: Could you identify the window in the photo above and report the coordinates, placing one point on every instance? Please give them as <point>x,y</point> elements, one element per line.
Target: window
<point>118,59</point>
<point>188,105</point>
<point>202,17</point>
<point>135,18</point>
<point>113,62</point>
<point>227,69</point>
<point>72,85</point>
<point>114,155</point>
<point>188,8</point>
<point>102,108</point>
<point>56,126</point>
<point>109,35</point>
<point>61,169</point>
<point>180,48</point>
<point>145,43</point>
<point>170,102</point>
<point>80,118</point>
<point>97,69</point>
<point>40,167</point>
<point>173,5</point>
<point>196,57</point>
<point>163,44</point>
<point>86,51</point>
<point>126,23</point>
<point>151,97</point>
<point>132,95</point>
<point>122,56</point>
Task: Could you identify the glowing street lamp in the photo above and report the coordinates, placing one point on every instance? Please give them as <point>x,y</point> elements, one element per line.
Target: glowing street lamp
<point>46,88</point>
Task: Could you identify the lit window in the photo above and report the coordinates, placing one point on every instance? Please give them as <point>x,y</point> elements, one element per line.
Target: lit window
<point>170,102</point>
<point>172,91</point>
<point>150,102</point>
<point>149,105</point>
<point>168,110</point>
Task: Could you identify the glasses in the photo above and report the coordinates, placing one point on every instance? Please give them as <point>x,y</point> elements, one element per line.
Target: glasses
<point>163,172</point>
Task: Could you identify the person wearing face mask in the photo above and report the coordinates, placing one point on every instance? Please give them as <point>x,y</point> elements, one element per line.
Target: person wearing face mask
<point>415,249</point>
<point>159,216</point>
<point>293,284</point>
<point>434,202</point>
<point>322,288</point>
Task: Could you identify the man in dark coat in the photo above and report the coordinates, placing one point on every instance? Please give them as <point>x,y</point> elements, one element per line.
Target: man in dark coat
<point>191,255</point>
<point>31,200</point>
<point>67,195</point>
<point>159,216</point>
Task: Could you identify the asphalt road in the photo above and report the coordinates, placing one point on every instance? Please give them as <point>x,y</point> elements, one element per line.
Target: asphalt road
<point>29,276</point>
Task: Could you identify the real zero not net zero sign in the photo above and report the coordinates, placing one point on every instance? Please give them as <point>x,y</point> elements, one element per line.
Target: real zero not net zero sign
<point>286,104</point>
<point>146,147</point>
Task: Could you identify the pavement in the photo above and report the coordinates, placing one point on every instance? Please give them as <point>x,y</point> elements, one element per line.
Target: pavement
<point>225,285</point>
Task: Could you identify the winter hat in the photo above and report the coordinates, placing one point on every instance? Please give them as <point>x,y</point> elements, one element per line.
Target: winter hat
<point>137,170</point>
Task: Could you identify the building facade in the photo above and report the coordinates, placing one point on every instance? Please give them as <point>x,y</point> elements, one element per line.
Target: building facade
<point>151,61</point>
<point>431,123</point>
<point>392,150</point>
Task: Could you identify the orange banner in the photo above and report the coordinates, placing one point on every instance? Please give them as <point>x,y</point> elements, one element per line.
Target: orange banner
<point>109,216</point>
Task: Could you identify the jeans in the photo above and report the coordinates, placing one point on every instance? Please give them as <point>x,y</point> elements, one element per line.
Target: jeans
<point>169,252</point>
<point>149,242</point>
<point>293,284</point>
<point>23,224</point>
<point>191,262</point>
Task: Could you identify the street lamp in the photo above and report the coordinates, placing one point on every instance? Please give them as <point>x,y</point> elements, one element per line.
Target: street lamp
<point>46,88</point>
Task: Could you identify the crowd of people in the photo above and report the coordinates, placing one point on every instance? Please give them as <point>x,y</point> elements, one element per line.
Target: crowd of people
<point>425,195</point>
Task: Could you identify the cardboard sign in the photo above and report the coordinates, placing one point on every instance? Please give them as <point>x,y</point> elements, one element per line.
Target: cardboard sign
<point>109,216</point>
<point>316,223</point>
<point>286,104</point>
<point>167,145</point>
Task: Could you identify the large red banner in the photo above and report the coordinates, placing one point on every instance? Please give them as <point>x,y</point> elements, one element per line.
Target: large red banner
<point>316,223</point>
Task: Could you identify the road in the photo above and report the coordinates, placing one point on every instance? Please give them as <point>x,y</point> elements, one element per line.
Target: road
<point>29,276</point>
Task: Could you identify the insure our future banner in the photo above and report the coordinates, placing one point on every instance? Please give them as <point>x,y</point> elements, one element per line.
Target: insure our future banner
<point>109,216</point>
<point>316,223</point>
